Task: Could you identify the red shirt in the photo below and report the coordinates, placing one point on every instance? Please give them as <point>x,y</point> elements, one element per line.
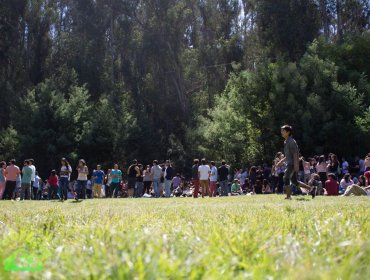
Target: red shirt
<point>332,187</point>
<point>53,180</point>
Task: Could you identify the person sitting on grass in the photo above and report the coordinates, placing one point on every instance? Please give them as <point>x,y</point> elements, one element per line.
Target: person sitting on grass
<point>176,181</point>
<point>177,192</point>
<point>266,189</point>
<point>236,188</point>
<point>345,183</point>
<point>331,185</point>
<point>258,187</point>
<point>357,190</point>
<point>362,181</point>
<point>315,182</point>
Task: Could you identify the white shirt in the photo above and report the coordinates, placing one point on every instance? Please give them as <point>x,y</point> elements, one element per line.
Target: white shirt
<point>156,172</point>
<point>33,172</point>
<point>82,173</point>
<point>36,182</point>
<point>213,177</point>
<point>204,172</point>
<point>243,176</point>
<point>64,169</point>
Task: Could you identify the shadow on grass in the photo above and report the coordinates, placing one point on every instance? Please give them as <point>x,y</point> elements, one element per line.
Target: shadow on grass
<point>75,201</point>
<point>302,198</point>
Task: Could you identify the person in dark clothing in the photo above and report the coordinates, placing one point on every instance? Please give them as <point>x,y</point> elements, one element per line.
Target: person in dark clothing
<point>195,177</point>
<point>139,182</point>
<point>168,176</point>
<point>132,173</point>
<point>258,187</point>
<point>291,158</point>
<point>223,173</point>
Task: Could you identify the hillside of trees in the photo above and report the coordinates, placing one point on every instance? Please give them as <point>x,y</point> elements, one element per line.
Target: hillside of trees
<point>113,80</point>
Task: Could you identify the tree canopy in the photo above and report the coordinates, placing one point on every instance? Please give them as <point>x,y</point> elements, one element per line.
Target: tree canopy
<point>116,80</point>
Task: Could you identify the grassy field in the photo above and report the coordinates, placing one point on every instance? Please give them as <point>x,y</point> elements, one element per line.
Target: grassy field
<point>255,237</point>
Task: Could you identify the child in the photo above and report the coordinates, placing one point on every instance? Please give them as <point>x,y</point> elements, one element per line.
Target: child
<point>235,188</point>
<point>176,181</point>
<point>266,189</point>
<point>45,190</point>
<point>53,185</point>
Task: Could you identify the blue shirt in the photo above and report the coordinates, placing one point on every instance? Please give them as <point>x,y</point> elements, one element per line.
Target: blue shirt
<point>99,176</point>
<point>116,175</point>
<point>26,175</point>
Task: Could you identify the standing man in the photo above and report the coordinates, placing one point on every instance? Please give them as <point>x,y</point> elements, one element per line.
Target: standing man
<point>213,180</point>
<point>168,175</point>
<point>195,176</point>
<point>132,173</point>
<point>34,190</point>
<point>98,178</point>
<point>291,158</point>
<point>204,173</point>
<point>11,173</point>
<point>156,173</point>
<point>223,173</point>
<point>116,176</point>
<point>26,181</point>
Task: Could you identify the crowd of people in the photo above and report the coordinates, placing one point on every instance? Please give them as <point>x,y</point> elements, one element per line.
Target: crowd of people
<point>325,176</point>
<point>290,173</point>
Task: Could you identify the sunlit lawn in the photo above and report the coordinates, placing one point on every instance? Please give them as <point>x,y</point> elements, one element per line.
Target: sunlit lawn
<point>256,237</point>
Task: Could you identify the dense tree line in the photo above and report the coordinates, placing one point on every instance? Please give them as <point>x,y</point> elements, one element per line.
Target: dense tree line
<point>114,80</point>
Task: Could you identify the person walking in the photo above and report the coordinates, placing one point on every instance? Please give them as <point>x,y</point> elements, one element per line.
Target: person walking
<point>291,158</point>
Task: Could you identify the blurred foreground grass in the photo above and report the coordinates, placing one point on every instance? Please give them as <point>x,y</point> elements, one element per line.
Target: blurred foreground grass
<point>256,237</point>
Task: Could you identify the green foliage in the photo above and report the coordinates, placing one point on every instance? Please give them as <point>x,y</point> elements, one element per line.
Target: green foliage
<point>110,130</point>
<point>9,143</point>
<point>244,124</point>
<point>287,26</point>
<point>50,125</point>
<point>363,122</point>
<point>113,80</point>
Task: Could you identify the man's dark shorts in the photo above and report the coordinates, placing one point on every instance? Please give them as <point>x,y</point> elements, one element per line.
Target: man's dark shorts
<point>131,182</point>
<point>290,176</point>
